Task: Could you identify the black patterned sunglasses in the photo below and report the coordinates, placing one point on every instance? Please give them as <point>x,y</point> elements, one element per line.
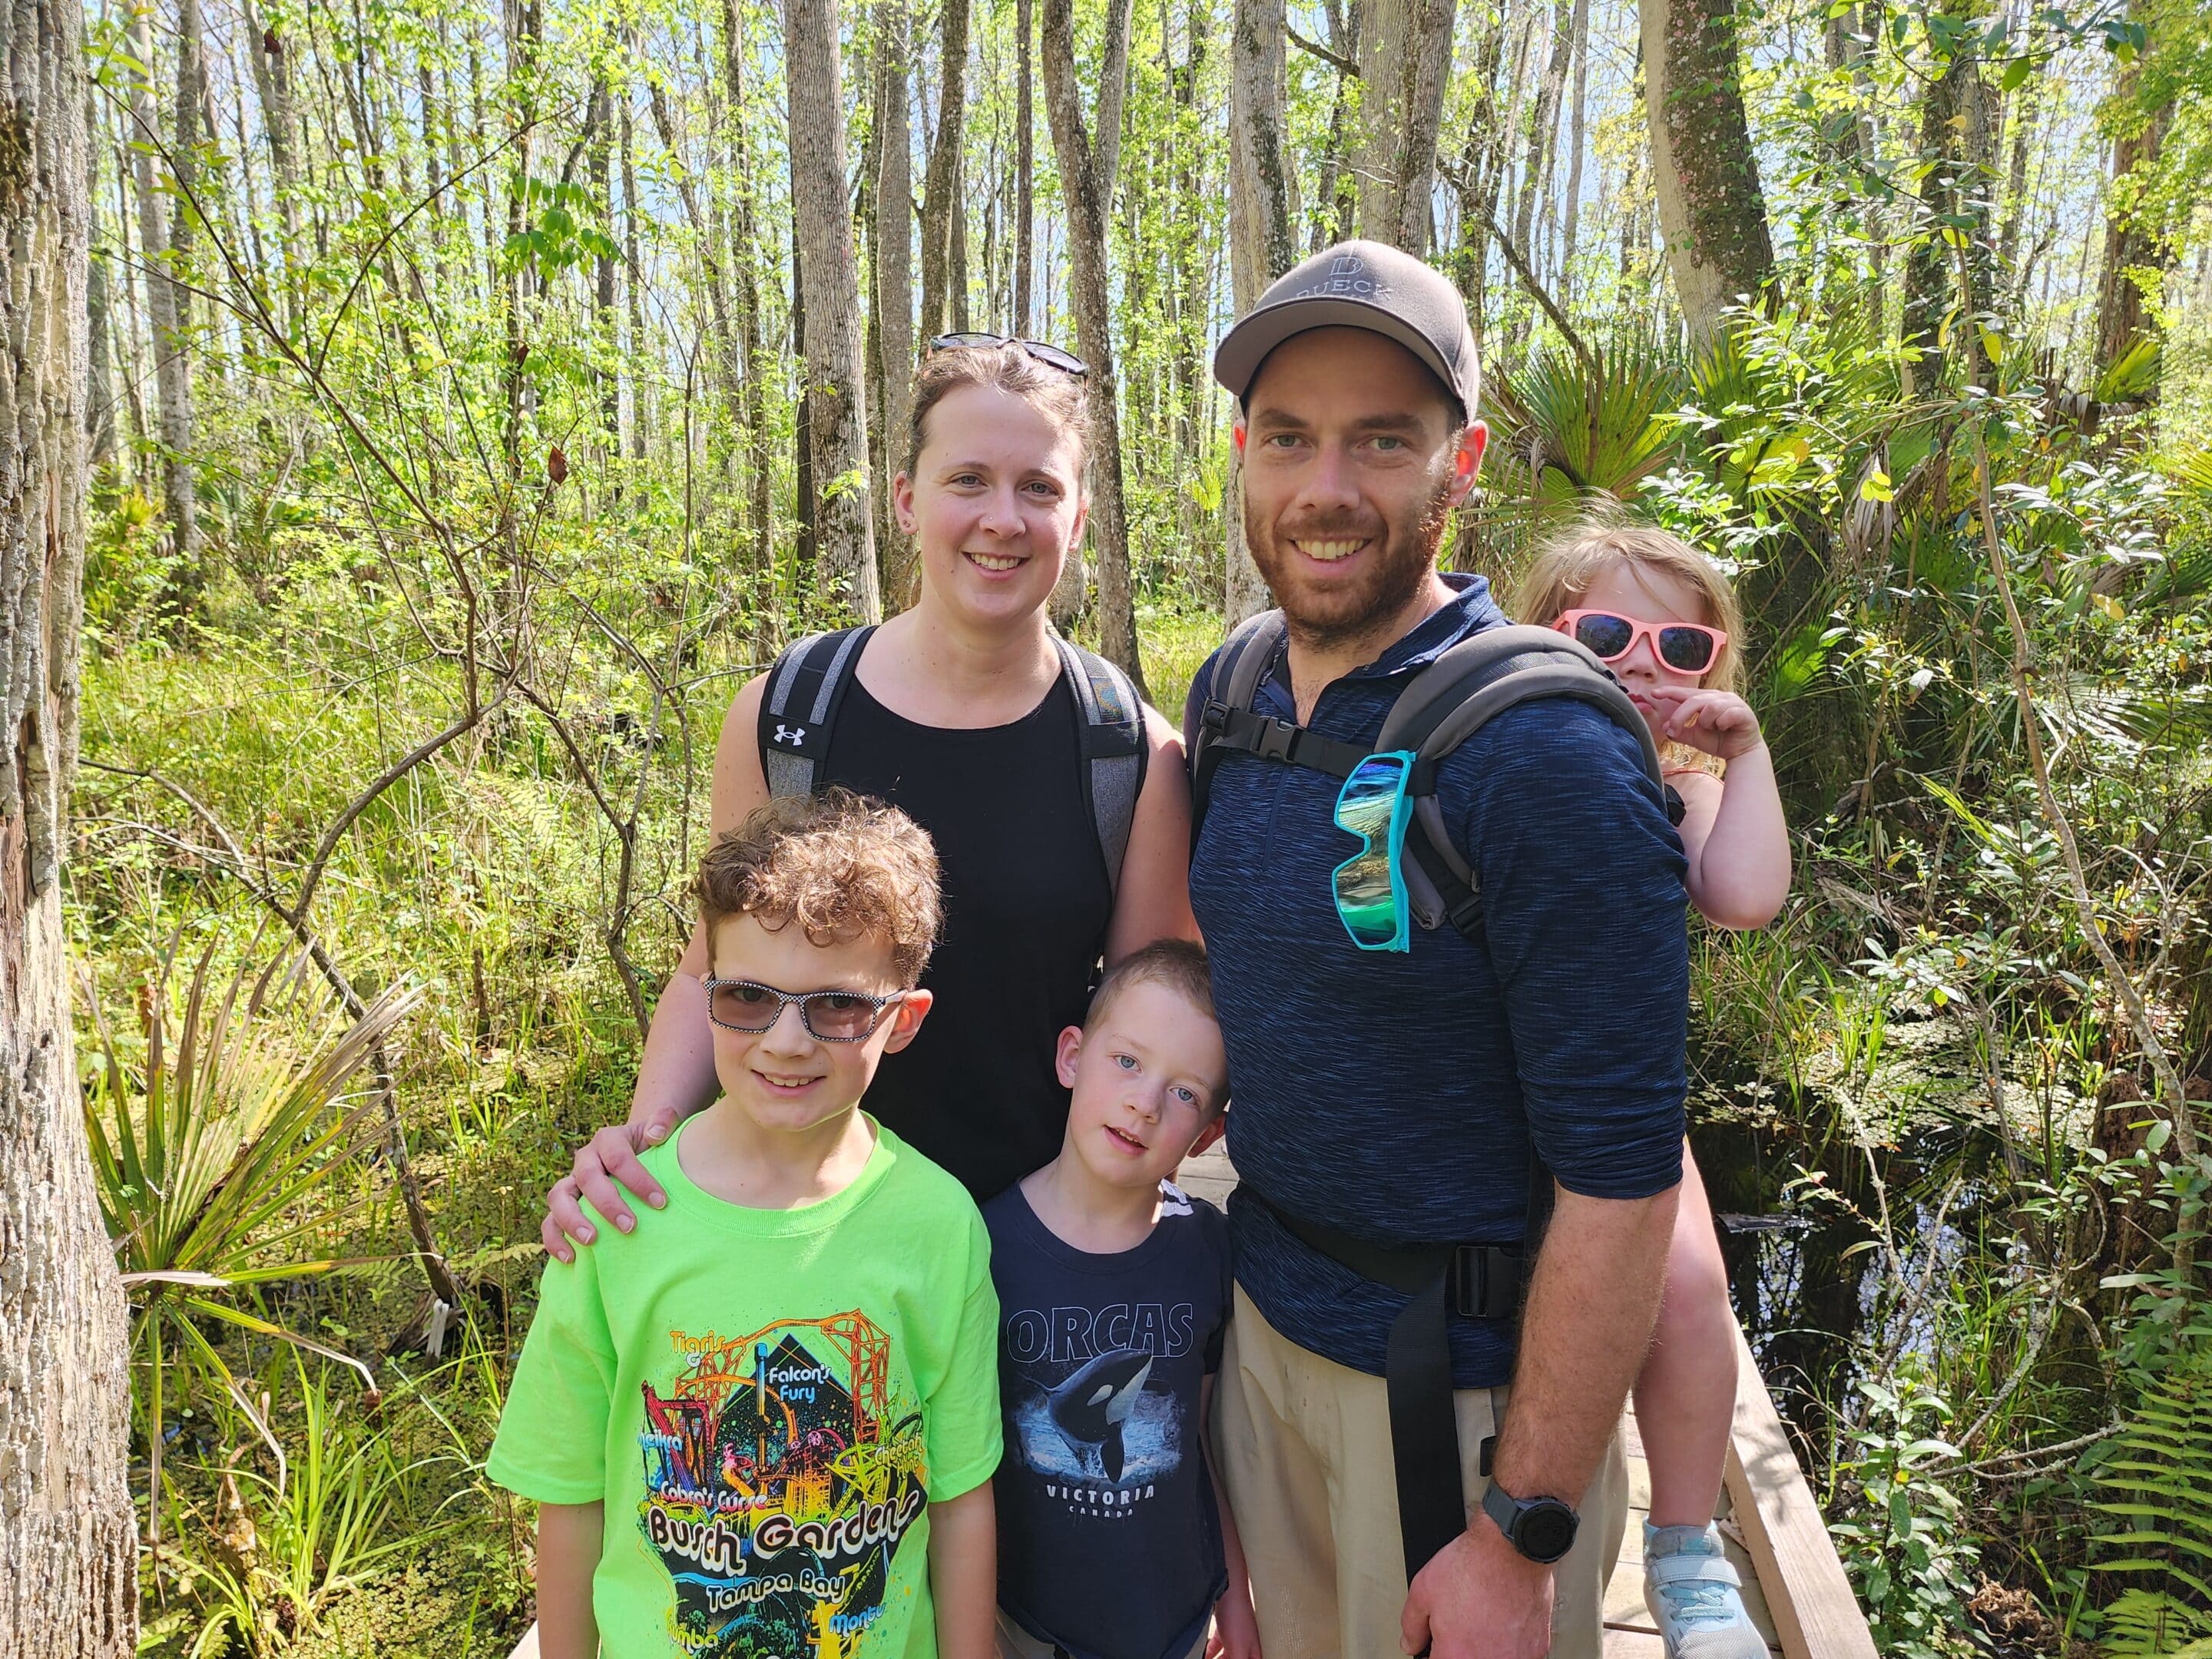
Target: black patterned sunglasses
<point>1050,355</point>
<point>745,1005</point>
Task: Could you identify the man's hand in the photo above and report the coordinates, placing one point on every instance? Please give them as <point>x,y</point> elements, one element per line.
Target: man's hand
<point>1478,1598</point>
<point>606,1166</point>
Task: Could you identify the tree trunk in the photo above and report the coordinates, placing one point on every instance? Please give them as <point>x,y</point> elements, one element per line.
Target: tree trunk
<point>940,193</point>
<point>603,271</point>
<point>2129,244</point>
<point>746,257</point>
<point>641,425</point>
<point>894,267</point>
<point>1191,307</point>
<point>1571,210</point>
<point>100,308</point>
<point>68,1532</point>
<point>167,316</point>
<point>1087,167</point>
<point>1543,130</point>
<point>710,264</point>
<point>1336,201</point>
<point>1025,321</point>
<point>829,278</point>
<point>1710,210</point>
<point>1860,147</point>
<point>267,51</point>
<point>1940,313</point>
<point>1405,60</point>
<point>1262,228</point>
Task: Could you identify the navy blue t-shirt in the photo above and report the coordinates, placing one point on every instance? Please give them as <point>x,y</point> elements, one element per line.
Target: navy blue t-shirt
<point>1395,1097</point>
<point>1109,1545</point>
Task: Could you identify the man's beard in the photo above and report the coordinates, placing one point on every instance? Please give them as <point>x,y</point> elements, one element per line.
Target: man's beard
<point>1356,611</point>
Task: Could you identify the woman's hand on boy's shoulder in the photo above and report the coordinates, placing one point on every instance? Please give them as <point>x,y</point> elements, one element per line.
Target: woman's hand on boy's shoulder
<point>606,1168</point>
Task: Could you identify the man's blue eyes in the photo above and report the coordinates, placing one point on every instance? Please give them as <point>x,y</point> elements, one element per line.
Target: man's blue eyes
<point>1383,442</point>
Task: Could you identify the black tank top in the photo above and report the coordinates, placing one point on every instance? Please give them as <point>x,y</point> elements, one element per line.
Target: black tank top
<point>1026,905</point>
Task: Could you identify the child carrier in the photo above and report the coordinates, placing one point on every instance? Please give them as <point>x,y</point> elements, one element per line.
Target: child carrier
<point>1449,701</point>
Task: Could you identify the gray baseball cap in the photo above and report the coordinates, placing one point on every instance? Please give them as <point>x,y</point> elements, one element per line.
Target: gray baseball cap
<point>1364,285</point>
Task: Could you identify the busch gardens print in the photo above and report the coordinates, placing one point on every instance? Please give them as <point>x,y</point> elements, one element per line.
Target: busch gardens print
<point>781,1474</point>
<point>765,1404</point>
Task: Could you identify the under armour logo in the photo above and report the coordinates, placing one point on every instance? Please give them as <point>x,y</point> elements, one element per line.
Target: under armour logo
<point>794,735</point>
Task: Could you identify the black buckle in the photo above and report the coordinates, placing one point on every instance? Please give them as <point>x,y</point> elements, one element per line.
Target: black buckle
<point>1276,739</point>
<point>1483,1282</point>
<point>1213,717</point>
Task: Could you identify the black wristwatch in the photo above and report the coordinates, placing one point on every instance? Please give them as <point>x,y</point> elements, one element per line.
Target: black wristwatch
<point>1542,1529</point>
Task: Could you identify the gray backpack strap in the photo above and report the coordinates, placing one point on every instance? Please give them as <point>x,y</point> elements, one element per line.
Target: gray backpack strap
<point>1114,752</point>
<point>798,710</point>
<point>1462,691</point>
<point>1242,663</point>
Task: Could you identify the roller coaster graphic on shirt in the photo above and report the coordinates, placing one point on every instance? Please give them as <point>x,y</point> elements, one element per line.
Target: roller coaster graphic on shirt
<point>781,1471</point>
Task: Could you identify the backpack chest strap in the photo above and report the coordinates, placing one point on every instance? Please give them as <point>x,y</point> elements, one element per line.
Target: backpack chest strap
<point>1248,732</point>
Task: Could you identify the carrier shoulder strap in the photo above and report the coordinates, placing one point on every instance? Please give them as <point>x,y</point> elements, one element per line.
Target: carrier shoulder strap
<point>1463,690</point>
<point>1238,667</point>
<point>1114,752</point>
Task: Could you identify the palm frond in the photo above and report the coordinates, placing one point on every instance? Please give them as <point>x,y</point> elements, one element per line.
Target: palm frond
<point>204,1164</point>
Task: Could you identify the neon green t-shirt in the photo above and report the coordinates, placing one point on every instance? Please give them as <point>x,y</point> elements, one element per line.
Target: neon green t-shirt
<point>767,1401</point>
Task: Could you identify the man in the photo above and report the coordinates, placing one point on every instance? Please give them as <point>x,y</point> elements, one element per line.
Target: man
<point>1393,1098</point>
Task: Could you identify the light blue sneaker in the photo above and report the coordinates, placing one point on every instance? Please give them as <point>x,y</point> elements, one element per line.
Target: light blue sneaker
<point>1694,1593</point>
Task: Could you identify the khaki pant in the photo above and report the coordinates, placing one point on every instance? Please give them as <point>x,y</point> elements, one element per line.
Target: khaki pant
<point>1303,1446</point>
<point>1015,1643</point>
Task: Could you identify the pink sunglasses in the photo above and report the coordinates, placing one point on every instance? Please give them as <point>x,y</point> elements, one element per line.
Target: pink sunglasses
<point>1687,648</point>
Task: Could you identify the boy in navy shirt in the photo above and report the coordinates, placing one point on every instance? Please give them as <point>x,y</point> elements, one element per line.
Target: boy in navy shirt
<point>1113,1295</point>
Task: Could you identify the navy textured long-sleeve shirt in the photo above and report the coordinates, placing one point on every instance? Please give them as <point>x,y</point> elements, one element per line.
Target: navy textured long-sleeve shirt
<point>1396,1096</point>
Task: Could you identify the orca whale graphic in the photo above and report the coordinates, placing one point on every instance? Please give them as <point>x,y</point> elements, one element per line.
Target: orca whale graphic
<point>1090,1406</point>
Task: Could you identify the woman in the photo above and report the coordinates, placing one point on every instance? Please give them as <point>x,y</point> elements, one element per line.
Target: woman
<point>961,712</point>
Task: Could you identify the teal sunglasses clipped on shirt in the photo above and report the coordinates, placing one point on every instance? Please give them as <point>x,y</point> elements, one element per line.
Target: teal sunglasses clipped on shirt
<point>1370,884</point>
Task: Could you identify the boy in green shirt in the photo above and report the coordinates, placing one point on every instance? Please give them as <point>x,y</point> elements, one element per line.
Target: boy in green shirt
<point>763,1424</point>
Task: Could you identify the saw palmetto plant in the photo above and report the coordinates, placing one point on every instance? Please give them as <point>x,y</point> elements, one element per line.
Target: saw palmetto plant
<point>220,1153</point>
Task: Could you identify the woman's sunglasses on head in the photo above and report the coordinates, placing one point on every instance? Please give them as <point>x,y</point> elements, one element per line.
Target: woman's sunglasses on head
<point>745,1005</point>
<point>1050,355</point>
<point>1681,648</point>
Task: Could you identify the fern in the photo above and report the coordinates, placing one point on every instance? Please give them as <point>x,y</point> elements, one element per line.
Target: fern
<point>2157,1484</point>
<point>2143,1623</point>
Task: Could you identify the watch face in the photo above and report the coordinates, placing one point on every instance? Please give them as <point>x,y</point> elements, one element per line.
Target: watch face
<point>1547,1530</point>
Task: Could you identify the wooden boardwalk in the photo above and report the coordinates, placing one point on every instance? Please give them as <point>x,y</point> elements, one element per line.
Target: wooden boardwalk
<point>1794,1585</point>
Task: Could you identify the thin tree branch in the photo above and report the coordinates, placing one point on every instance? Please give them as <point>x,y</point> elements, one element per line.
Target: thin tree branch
<point>1342,64</point>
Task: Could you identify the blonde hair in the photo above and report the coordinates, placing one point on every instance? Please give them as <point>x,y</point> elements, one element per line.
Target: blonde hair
<point>841,865</point>
<point>1568,563</point>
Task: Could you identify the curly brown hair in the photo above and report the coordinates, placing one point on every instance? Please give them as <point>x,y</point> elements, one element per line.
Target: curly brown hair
<point>841,865</point>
